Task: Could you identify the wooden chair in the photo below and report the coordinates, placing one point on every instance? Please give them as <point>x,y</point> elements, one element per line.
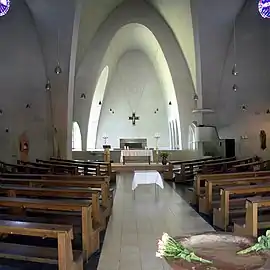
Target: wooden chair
<point>63,255</point>
<point>252,222</point>
<point>221,216</point>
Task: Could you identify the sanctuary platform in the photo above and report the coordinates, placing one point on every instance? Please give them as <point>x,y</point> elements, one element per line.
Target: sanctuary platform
<point>131,167</point>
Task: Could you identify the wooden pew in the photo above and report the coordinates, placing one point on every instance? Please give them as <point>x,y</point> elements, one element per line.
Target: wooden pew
<point>86,169</point>
<point>206,201</point>
<point>252,220</point>
<point>253,166</point>
<point>16,168</point>
<point>198,191</point>
<point>63,255</point>
<point>189,169</point>
<point>224,166</point>
<point>74,193</point>
<point>105,167</point>
<point>221,216</point>
<point>172,164</point>
<point>37,180</point>
<point>90,238</point>
<point>53,168</point>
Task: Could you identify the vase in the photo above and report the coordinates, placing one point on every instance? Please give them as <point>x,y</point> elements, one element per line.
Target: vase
<point>221,249</point>
<point>164,161</point>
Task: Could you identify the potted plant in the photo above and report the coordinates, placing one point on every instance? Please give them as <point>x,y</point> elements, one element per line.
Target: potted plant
<point>164,156</point>
<point>215,251</point>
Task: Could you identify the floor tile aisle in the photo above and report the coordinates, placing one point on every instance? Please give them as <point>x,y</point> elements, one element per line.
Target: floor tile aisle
<point>135,226</point>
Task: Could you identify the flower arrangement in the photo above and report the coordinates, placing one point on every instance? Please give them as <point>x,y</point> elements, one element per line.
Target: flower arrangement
<point>263,243</point>
<point>170,248</point>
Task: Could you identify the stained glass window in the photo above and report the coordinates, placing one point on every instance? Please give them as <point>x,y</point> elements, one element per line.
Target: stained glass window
<point>264,8</point>
<point>4,7</point>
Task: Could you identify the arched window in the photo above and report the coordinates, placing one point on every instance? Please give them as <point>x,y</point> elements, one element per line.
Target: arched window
<point>192,137</point>
<point>76,137</point>
<point>177,136</point>
<point>171,135</point>
<point>96,108</point>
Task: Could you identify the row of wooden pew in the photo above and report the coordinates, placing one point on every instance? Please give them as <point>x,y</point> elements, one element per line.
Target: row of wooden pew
<point>184,171</point>
<point>238,200</point>
<point>67,206</point>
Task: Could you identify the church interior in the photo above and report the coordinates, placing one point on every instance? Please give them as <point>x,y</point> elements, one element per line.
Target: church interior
<point>134,134</point>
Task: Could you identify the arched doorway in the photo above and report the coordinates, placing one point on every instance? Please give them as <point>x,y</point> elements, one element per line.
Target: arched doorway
<point>76,137</point>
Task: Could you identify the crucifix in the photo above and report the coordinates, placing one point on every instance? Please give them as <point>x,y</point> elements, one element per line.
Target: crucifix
<point>134,118</point>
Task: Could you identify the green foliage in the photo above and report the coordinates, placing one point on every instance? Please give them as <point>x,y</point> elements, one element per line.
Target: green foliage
<point>164,155</point>
<point>262,244</point>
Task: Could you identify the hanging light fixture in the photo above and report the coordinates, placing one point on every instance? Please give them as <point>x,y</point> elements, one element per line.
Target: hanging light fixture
<point>58,69</point>
<point>234,69</point>
<point>48,85</point>
<point>235,87</point>
<point>195,97</point>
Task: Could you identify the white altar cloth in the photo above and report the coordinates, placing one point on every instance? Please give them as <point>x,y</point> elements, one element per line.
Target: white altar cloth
<point>136,153</point>
<point>146,178</point>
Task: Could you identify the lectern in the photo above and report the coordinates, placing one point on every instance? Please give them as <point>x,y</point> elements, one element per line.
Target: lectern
<point>107,153</point>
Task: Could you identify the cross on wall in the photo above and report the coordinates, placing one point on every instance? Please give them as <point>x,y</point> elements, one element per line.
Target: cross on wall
<point>134,118</point>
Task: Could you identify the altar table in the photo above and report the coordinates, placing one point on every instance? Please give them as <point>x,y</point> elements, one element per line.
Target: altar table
<point>147,178</point>
<point>136,153</point>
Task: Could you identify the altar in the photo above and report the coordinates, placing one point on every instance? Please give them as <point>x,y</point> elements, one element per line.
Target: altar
<point>136,153</point>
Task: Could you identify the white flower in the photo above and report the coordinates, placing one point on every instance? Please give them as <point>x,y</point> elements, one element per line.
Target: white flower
<point>161,244</point>
<point>158,255</point>
<point>165,238</point>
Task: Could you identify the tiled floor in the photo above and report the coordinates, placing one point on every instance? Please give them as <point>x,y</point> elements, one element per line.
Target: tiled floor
<point>135,226</point>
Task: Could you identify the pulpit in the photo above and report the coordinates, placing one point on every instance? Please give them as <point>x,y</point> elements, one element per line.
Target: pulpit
<point>107,153</point>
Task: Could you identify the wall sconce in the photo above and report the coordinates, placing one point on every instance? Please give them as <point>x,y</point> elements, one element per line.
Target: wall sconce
<point>99,103</point>
<point>244,107</point>
<point>195,97</point>
<point>235,87</point>
<point>83,96</point>
<point>48,85</point>
<point>170,103</point>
